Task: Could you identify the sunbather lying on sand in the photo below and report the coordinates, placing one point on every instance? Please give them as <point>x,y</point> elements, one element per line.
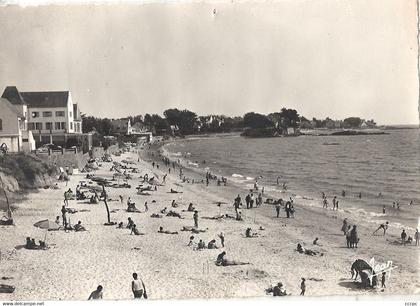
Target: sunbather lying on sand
<point>155,216</point>
<point>221,261</point>
<point>302,250</point>
<point>172,213</point>
<point>166,232</point>
<point>174,191</point>
<point>193,229</point>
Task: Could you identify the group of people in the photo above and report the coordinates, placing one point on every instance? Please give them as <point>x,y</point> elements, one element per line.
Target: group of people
<point>352,237</point>
<point>31,244</point>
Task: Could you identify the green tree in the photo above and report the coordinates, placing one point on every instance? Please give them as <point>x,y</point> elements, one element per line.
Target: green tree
<point>255,120</point>
<point>352,122</point>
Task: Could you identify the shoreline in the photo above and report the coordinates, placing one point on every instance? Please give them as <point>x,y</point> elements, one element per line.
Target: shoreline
<point>348,207</point>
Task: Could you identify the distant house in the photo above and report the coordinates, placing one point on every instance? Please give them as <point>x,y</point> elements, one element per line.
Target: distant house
<point>120,126</point>
<point>14,127</point>
<point>51,116</point>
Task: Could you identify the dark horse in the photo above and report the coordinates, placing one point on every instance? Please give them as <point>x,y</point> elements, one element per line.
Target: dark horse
<point>359,266</point>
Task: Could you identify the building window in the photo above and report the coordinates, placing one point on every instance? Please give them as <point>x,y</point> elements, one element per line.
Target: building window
<point>1,125</point>
<point>71,125</point>
<point>35,114</point>
<point>48,126</point>
<point>46,114</point>
<point>38,125</point>
<point>59,114</point>
<point>71,115</point>
<point>31,126</point>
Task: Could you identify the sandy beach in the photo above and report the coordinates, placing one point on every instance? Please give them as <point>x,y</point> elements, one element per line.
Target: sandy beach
<point>77,262</point>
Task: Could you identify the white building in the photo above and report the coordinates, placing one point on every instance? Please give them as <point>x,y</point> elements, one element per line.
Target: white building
<point>52,116</point>
<point>13,125</point>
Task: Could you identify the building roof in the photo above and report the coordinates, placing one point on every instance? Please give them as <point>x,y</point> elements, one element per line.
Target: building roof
<point>46,98</point>
<point>12,94</point>
<point>9,105</point>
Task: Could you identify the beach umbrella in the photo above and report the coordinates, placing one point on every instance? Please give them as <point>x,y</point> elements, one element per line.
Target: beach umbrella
<point>47,224</point>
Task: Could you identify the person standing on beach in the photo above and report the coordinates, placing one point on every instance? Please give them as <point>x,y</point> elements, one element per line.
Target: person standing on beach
<point>222,239</point>
<point>195,218</point>
<point>348,236</point>
<point>334,201</point>
<point>416,236</point>
<point>383,210</point>
<point>97,294</point>
<point>383,280</point>
<point>343,193</point>
<point>403,237</point>
<point>360,195</point>
<point>247,200</point>
<point>146,208</point>
<point>344,226</point>
<point>138,288</point>
<point>325,203</point>
<point>302,287</point>
<point>278,206</point>
<point>63,214</point>
<point>354,239</point>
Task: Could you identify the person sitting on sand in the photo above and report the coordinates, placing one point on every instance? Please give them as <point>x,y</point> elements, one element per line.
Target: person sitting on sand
<point>278,290</point>
<point>135,231</point>
<point>174,191</point>
<point>120,225</point>
<point>94,199</point>
<point>57,220</point>
<point>239,216</point>
<point>163,211</point>
<point>201,245</point>
<point>302,250</point>
<point>221,261</point>
<point>130,223</point>
<point>382,226</point>
<point>79,227</point>
<point>191,242</point>
<point>248,233</point>
<point>315,242</point>
<point>42,244</point>
<point>212,244</point>
<point>173,204</point>
<point>190,207</point>
<point>161,231</point>
<point>28,243</point>
<point>97,294</point>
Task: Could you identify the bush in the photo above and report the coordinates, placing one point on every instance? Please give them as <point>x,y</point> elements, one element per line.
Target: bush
<point>26,168</point>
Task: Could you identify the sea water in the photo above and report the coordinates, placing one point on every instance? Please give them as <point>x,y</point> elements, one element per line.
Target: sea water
<point>383,168</point>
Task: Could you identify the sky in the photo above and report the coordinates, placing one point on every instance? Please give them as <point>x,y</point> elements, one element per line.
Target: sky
<point>325,58</point>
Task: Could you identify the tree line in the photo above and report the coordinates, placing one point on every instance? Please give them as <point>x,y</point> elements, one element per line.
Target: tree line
<point>186,122</point>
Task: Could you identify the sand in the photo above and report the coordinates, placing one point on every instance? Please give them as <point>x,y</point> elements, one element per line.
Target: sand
<point>77,262</point>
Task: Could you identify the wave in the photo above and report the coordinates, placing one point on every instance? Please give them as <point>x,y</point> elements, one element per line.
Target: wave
<point>237,175</point>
